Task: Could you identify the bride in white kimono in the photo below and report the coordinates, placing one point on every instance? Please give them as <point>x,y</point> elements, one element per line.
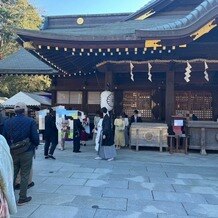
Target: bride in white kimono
<point>7,198</point>
<point>98,135</point>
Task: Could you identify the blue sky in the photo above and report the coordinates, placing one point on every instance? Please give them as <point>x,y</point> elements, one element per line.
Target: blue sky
<point>70,7</point>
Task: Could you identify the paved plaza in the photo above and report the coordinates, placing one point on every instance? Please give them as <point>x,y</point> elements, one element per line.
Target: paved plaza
<point>146,184</point>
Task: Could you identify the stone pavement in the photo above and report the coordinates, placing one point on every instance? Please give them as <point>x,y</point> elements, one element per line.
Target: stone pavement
<point>146,184</point>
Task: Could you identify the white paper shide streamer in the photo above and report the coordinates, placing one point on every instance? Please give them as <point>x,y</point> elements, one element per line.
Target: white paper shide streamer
<point>188,72</point>
<point>149,72</point>
<point>131,71</point>
<point>206,76</point>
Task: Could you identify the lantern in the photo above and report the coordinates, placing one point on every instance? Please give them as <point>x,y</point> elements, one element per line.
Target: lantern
<point>107,100</point>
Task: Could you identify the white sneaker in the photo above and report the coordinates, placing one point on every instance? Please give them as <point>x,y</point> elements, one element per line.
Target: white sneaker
<point>98,158</point>
<point>110,159</point>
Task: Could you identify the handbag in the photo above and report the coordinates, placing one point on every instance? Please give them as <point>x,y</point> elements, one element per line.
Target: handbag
<point>20,147</point>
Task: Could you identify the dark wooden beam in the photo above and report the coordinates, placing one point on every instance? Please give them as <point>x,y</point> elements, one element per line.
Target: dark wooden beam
<point>170,93</point>
<point>215,104</point>
<point>109,80</point>
<point>85,101</point>
<point>53,90</point>
<point>88,44</point>
<point>158,67</point>
<point>118,98</point>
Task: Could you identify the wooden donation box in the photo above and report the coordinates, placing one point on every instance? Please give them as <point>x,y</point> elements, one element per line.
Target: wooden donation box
<point>148,135</point>
<point>203,135</point>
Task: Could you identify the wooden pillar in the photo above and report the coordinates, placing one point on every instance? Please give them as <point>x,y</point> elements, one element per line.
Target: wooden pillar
<point>215,104</point>
<point>108,80</point>
<point>203,142</point>
<point>53,91</point>
<point>85,101</point>
<point>170,94</point>
<point>118,101</point>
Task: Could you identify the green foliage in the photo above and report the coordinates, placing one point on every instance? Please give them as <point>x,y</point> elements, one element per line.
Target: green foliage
<point>15,14</point>
<point>11,85</point>
<point>18,14</point>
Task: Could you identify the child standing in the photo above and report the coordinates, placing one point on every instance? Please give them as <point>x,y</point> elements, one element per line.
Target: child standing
<point>64,133</point>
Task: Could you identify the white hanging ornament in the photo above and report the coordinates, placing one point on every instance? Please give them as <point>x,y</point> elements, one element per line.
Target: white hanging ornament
<point>188,72</point>
<point>131,69</point>
<point>206,76</point>
<point>149,72</point>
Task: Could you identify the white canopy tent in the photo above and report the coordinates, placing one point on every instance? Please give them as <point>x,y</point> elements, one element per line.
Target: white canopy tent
<point>29,99</point>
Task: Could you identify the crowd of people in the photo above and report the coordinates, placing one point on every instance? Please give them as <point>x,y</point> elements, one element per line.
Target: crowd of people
<point>108,135</point>
<point>19,140</point>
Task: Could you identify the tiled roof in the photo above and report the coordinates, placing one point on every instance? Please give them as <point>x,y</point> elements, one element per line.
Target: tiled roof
<point>196,14</point>
<point>89,21</point>
<point>172,20</point>
<point>118,28</point>
<point>115,31</point>
<point>23,62</point>
<point>197,18</point>
<point>151,5</point>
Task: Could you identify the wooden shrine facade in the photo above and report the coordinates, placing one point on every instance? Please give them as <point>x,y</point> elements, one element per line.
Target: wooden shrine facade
<point>161,60</point>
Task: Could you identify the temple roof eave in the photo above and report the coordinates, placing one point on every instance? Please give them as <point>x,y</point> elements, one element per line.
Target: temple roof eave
<point>185,26</point>
<point>175,30</point>
<point>154,5</point>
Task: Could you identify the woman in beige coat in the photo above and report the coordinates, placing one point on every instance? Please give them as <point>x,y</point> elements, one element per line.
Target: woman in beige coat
<point>119,137</point>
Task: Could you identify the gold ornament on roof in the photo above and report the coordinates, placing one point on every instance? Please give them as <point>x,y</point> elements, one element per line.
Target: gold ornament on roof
<point>29,45</point>
<point>146,15</point>
<point>154,43</point>
<point>204,30</point>
<point>80,21</point>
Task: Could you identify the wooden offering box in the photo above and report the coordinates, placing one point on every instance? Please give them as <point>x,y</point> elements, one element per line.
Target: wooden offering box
<point>203,135</point>
<point>148,135</point>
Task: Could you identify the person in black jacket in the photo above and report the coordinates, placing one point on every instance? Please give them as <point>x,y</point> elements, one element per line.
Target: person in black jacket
<point>77,129</point>
<point>194,117</point>
<point>2,119</point>
<point>51,135</point>
<point>135,118</point>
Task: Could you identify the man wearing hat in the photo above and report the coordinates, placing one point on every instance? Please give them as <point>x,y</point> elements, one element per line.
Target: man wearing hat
<point>18,129</point>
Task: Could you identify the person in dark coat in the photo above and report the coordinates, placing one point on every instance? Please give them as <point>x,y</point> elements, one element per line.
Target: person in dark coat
<point>77,129</point>
<point>194,117</point>
<point>51,135</point>
<point>107,133</point>
<point>135,118</point>
<point>106,149</point>
<point>2,119</point>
